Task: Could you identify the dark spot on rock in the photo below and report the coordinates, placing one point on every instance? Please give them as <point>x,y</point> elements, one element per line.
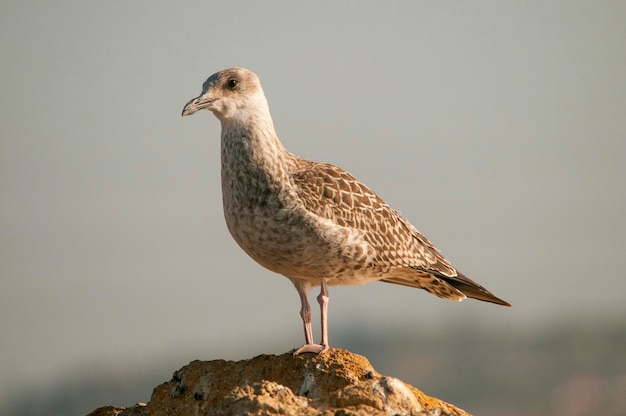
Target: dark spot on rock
<point>178,391</point>
<point>198,396</point>
<point>369,375</point>
<point>384,383</point>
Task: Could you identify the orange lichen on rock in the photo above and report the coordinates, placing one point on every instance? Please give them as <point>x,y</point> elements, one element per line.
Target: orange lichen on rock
<point>336,382</point>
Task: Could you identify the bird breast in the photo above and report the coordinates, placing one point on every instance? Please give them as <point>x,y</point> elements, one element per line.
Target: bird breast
<point>264,215</point>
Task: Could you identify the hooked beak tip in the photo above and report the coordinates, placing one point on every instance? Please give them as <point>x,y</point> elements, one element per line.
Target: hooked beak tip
<point>191,107</point>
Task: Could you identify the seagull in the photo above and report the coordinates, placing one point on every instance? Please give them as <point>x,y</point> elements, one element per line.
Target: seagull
<point>313,223</point>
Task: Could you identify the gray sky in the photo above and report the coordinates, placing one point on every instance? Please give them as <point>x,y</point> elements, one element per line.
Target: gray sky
<point>496,128</point>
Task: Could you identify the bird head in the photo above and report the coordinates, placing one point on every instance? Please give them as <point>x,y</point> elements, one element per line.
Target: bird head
<point>229,94</point>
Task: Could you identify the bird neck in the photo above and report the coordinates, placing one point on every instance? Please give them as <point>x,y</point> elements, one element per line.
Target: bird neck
<point>251,150</point>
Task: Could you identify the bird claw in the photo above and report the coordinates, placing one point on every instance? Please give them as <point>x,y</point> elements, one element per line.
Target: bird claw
<point>311,348</point>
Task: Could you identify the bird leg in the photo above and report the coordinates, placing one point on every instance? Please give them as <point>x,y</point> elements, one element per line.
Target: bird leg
<point>305,313</point>
<point>322,299</point>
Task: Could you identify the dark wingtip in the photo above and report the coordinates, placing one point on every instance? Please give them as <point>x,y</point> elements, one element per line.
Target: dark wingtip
<point>497,301</point>
<point>473,290</point>
<point>479,293</point>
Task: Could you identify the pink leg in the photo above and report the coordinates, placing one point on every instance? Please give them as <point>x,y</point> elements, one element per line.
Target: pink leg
<point>322,299</point>
<point>305,313</point>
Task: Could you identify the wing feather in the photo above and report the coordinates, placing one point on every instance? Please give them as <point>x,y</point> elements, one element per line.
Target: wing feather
<point>334,194</point>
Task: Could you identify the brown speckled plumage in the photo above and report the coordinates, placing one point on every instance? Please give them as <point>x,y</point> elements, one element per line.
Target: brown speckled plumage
<point>313,222</point>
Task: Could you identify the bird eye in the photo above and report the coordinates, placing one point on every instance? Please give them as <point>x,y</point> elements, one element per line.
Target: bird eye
<point>232,83</point>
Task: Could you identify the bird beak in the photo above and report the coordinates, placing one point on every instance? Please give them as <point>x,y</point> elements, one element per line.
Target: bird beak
<point>196,104</point>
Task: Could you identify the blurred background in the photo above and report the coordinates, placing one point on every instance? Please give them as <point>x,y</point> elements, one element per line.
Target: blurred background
<point>496,128</point>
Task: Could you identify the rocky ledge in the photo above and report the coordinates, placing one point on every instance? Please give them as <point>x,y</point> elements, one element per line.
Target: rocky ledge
<point>335,383</point>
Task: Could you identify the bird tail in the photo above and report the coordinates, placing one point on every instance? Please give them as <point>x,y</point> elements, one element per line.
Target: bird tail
<point>448,287</point>
<point>472,289</point>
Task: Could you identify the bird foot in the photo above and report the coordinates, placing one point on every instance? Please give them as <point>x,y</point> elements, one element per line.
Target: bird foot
<point>311,348</point>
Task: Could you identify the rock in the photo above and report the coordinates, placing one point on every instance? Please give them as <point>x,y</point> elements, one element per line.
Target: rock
<point>335,383</point>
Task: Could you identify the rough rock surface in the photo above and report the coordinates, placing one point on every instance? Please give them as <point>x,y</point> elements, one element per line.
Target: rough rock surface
<point>335,383</point>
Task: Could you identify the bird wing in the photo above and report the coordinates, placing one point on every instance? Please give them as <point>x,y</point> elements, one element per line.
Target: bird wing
<point>334,194</point>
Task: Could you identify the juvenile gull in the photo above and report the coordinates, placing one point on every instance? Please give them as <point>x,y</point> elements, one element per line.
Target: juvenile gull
<point>314,223</point>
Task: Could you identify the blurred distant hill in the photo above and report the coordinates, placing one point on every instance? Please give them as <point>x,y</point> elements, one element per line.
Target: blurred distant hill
<point>572,369</point>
